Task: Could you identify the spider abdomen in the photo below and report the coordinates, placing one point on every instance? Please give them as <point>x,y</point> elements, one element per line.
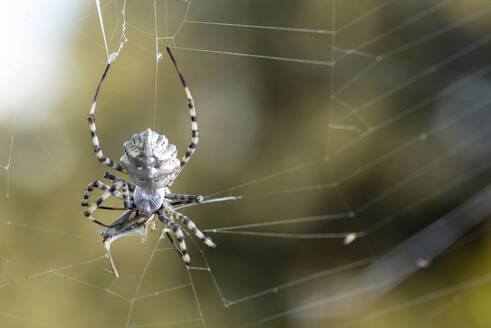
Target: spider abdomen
<point>151,161</point>
<point>148,202</point>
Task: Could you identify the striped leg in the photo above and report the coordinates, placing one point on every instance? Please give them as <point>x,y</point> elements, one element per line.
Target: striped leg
<point>125,196</point>
<point>127,187</point>
<point>114,178</point>
<point>182,251</point>
<point>191,226</point>
<point>99,185</point>
<point>184,199</point>
<point>192,112</point>
<point>113,190</point>
<point>95,141</point>
<point>176,248</point>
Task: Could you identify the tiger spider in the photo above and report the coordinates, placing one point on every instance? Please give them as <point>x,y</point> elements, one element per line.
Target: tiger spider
<point>151,162</point>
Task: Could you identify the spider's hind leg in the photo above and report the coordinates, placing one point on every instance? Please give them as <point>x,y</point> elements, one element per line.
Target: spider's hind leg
<point>181,244</point>
<point>191,226</point>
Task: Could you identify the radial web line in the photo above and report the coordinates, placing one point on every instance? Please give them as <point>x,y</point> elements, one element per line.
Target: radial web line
<point>278,58</point>
<point>158,55</point>
<point>430,70</point>
<point>283,222</point>
<point>196,299</point>
<point>453,289</point>
<point>405,23</point>
<point>416,107</point>
<point>263,27</point>
<point>183,19</point>
<point>413,141</point>
<point>58,272</point>
<point>7,167</point>
<point>266,178</point>
<point>412,44</point>
<point>331,235</point>
<point>26,319</point>
<point>140,279</point>
<point>98,4</point>
<point>45,148</point>
<point>89,284</point>
<point>41,229</point>
<point>396,28</point>
<point>424,169</point>
<point>304,279</point>
<point>366,15</point>
<point>165,324</point>
<point>437,192</point>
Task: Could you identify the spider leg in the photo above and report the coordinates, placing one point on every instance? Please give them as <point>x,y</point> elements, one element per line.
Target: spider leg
<point>191,226</point>
<point>192,112</point>
<point>99,185</point>
<point>125,196</point>
<point>174,244</point>
<point>95,140</point>
<point>114,178</point>
<point>113,190</point>
<point>184,199</point>
<point>183,253</point>
<point>127,187</point>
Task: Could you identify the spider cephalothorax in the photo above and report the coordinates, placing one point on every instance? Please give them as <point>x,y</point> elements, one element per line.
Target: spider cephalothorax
<point>152,163</point>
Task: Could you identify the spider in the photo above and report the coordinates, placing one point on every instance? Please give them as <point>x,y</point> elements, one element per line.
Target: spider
<point>152,164</point>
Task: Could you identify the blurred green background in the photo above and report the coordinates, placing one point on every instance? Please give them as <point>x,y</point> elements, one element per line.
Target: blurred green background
<point>386,119</point>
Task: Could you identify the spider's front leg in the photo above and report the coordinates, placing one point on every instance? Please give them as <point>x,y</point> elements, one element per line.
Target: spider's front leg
<point>184,199</point>
<point>113,190</point>
<point>192,113</point>
<point>99,185</point>
<point>95,140</point>
<point>125,196</point>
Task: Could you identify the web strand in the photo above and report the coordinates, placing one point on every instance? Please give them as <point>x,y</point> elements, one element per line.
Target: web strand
<point>7,166</point>
<point>98,4</point>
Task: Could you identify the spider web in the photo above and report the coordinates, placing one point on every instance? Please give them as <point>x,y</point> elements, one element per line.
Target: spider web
<point>344,157</point>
